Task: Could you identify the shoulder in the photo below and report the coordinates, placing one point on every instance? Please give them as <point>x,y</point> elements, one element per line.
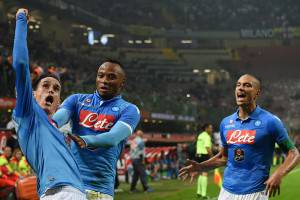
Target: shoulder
<point>269,117</point>
<point>127,106</point>
<point>79,97</point>
<point>228,120</point>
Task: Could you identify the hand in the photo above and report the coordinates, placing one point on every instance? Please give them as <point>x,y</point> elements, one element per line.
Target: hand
<point>78,140</point>
<point>191,170</point>
<point>22,10</point>
<point>273,185</point>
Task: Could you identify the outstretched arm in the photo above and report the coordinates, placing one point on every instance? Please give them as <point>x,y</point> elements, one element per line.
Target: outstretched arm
<point>119,132</point>
<point>192,168</point>
<point>21,66</point>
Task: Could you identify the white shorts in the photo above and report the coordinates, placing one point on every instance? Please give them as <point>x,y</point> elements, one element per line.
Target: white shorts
<point>63,193</point>
<point>94,195</point>
<point>225,195</point>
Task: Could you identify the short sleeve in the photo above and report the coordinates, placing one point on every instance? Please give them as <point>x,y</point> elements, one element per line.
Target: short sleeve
<point>131,116</point>
<point>70,102</point>
<point>278,130</point>
<point>222,135</point>
<point>208,143</point>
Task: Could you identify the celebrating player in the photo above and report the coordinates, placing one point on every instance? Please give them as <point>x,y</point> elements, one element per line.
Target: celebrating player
<point>248,139</point>
<point>103,121</point>
<point>44,146</point>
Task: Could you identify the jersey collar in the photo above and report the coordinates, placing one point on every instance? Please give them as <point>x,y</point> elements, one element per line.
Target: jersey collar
<point>253,115</point>
<point>106,101</point>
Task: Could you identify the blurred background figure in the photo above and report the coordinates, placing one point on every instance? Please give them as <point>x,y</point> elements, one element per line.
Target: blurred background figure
<point>137,155</point>
<point>203,153</point>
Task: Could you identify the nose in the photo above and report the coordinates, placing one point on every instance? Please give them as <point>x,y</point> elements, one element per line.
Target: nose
<point>104,79</point>
<point>51,90</point>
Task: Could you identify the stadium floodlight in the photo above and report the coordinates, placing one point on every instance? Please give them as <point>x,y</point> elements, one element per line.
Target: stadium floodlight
<point>196,71</point>
<point>91,39</point>
<point>104,40</point>
<point>188,95</point>
<point>109,35</point>
<point>138,42</point>
<point>149,41</point>
<point>186,41</point>
<point>207,71</point>
<point>130,41</point>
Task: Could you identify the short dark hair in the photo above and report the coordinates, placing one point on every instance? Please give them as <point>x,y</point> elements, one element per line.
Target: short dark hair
<point>36,82</point>
<point>111,60</point>
<point>205,125</point>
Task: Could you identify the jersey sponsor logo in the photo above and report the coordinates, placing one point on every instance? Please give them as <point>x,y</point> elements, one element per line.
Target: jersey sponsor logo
<point>240,136</point>
<point>96,122</point>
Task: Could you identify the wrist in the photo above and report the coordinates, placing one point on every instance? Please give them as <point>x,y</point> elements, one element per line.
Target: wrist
<point>199,167</point>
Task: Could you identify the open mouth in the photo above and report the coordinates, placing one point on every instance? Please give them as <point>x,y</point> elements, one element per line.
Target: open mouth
<point>104,88</point>
<point>49,100</point>
<point>241,95</point>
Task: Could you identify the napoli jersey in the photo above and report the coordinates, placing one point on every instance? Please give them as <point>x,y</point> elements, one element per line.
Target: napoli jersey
<point>91,116</point>
<point>42,144</point>
<point>250,145</point>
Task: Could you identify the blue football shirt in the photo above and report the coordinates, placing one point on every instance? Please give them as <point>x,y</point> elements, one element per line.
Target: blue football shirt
<point>91,115</point>
<point>250,145</point>
<point>42,144</point>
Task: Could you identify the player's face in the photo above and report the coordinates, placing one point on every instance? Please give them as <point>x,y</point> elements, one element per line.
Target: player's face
<point>110,80</point>
<point>246,90</point>
<point>47,94</point>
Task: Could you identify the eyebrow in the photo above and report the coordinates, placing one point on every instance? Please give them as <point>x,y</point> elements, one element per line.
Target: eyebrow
<point>57,85</point>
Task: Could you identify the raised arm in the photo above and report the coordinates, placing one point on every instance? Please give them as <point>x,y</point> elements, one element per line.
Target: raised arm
<point>21,66</point>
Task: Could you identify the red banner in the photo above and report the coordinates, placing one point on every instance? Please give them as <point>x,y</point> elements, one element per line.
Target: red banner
<point>7,103</point>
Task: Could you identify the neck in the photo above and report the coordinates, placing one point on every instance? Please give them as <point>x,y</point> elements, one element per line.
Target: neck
<point>245,110</point>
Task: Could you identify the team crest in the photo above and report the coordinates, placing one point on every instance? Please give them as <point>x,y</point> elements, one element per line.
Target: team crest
<point>257,123</point>
<point>115,109</point>
<point>239,155</point>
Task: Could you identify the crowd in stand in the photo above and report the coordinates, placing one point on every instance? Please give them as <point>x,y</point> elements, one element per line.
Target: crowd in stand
<point>195,15</point>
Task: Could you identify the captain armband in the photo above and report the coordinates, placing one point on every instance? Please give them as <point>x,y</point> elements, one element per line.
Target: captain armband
<point>286,145</point>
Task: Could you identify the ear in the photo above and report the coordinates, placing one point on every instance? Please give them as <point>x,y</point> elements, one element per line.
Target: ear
<point>34,94</point>
<point>258,92</point>
<point>123,84</point>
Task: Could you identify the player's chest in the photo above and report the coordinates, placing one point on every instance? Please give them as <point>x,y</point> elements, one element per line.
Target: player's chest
<point>97,117</point>
<point>253,132</point>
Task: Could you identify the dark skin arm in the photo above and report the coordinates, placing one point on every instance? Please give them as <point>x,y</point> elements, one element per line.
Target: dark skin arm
<point>273,182</point>
<point>192,168</point>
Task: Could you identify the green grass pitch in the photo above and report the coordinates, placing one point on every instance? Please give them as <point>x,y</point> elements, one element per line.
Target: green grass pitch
<point>178,190</point>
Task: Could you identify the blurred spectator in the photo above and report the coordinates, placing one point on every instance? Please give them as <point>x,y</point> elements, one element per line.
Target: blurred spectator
<point>6,169</point>
<point>19,164</point>
<point>137,155</point>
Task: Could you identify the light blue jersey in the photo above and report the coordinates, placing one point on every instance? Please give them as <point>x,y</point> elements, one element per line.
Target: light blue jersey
<point>250,145</point>
<point>91,116</point>
<point>42,144</point>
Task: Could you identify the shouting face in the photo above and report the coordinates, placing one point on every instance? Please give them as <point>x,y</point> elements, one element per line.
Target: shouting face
<point>247,90</point>
<point>47,94</point>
